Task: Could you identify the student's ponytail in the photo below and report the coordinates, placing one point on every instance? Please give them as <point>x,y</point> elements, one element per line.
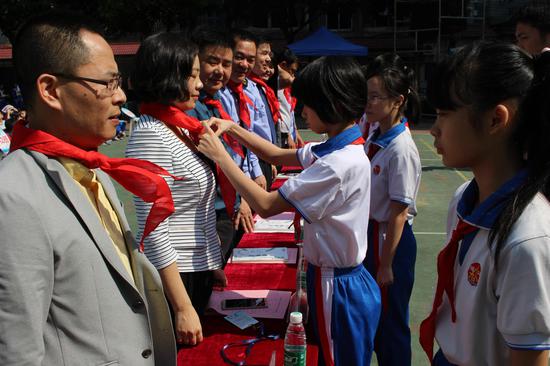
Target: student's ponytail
<point>533,135</point>
<point>398,79</point>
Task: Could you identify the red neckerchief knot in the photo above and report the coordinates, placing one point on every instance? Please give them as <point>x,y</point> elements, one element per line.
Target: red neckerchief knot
<point>140,177</point>
<point>229,140</point>
<point>445,284</point>
<point>244,101</point>
<point>271,97</point>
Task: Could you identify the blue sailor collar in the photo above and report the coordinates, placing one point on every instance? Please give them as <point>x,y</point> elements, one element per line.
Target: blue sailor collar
<point>384,140</point>
<point>486,213</point>
<point>337,142</point>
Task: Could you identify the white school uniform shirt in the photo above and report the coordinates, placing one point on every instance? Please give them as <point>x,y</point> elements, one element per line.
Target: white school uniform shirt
<point>396,171</point>
<point>288,124</point>
<point>497,308</point>
<point>333,195</point>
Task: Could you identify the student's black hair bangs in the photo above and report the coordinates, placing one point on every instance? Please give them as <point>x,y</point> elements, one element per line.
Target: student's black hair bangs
<point>334,87</point>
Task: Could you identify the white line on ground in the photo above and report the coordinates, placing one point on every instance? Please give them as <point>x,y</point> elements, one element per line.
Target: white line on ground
<point>428,233</point>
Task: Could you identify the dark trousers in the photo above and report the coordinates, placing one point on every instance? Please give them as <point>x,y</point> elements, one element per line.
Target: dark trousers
<point>226,232</point>
<point>393,337</point>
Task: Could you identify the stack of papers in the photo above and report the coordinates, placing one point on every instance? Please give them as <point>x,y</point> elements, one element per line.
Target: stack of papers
<point>264,255</point>
<point>281,223</point>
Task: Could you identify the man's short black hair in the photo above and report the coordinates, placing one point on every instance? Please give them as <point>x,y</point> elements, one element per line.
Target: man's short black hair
<point>243,35</point>
<point>164,62</point>
<point>262,40</point>
<point>537,16</point>
<point>207,36</point>
<point>49,43</point>
<point>334,87</point>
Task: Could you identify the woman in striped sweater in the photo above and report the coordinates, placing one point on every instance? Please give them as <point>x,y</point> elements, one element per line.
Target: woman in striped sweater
<point>185,248</point>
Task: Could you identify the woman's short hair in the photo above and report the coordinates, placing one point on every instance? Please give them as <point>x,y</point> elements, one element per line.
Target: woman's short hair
<point>164,62</point>
<point>334,87</point>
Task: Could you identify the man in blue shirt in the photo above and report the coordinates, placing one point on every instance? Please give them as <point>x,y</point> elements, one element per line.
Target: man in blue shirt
<point>216,57</point>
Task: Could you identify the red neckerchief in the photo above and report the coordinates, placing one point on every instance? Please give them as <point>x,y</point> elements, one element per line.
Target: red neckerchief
<point>290,99</point>
<point>271,97</point>
<point>140,177</point>
<point>445,284</point>
<point>244,101</point>
<point>229,140</point>
<point>173,116</point>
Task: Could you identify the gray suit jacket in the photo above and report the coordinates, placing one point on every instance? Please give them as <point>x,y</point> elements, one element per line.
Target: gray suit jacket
<point>65,296</point>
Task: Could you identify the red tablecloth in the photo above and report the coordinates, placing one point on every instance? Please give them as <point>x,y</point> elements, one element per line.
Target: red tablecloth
<point>218,332</point>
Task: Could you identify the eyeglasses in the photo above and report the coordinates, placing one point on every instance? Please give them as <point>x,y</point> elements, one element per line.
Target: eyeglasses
<point>375,98</point>
<point>112,85</point>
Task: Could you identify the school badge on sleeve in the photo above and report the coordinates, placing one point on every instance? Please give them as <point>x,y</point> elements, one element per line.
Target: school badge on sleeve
<point>473,273</point>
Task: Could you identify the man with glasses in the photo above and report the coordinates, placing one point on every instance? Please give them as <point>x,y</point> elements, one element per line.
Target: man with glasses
<point>74,288</point>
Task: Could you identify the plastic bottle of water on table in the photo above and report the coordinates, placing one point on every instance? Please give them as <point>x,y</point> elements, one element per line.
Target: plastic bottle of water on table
<point>295,341</point>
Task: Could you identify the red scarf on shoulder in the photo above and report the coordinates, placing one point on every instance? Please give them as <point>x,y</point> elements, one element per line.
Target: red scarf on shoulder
<point>244,101</point>
<point>140,177</point>
<point>271,97</point>
<point>173,116</point>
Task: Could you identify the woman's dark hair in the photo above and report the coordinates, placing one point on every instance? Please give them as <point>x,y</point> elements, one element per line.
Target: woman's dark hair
<point>164,62</point>
<point>398,79</point>
<point>480,76</point>
<point>334,87</point>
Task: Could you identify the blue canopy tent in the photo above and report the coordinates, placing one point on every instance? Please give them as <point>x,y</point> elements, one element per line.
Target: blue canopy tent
<point>324,43</point>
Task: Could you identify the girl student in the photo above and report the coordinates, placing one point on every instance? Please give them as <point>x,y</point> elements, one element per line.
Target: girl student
<point>492,303</point>
<point>395,179</point>
<point>332,194</point>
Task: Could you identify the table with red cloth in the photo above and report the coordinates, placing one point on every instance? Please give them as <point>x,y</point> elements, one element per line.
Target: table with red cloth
<point>218,332</point>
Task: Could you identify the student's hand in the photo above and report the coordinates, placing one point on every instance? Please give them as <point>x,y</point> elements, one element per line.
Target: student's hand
<point>188,326</point>
<point>299,140</point>
<point>274,171</point>
<point>220,125</point>
<point>219,277</point>
<point>244,217</point>
<point>291,143</point>
<point>384,277</point>
<point>210,144</point>
<point>261,181</point>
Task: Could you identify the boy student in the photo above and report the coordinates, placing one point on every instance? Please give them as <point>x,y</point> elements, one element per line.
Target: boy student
<point>333,196</point>
<point>216,58</point>
<point>268,104</point>
<point>533,28</point>
<point>242,109</point>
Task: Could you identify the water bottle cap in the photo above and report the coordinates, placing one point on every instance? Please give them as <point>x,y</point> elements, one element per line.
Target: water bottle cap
<point>295,317</point>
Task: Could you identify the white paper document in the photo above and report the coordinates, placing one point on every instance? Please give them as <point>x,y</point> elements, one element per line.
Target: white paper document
<point>281,223</point>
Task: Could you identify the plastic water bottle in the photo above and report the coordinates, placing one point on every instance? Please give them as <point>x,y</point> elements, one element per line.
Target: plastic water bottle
<point>295,341</point>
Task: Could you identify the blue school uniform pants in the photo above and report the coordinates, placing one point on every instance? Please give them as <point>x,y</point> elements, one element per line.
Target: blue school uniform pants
<point>348,300</point>
<point>393,337</point>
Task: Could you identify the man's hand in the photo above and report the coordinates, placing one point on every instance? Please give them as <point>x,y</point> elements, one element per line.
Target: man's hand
<point>188,326</point>
<point>244,217</point>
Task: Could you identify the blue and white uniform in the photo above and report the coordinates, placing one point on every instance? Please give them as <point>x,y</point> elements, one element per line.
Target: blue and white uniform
<point>230,103</point>
<point>332,194</point>
<point>501,306</point>
<point>396,171</point>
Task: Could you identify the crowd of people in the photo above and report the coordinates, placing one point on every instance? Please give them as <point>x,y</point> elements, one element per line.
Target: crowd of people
<point>216,123</point>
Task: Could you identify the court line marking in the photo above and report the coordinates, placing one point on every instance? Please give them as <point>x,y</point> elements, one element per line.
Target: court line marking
<point>428,233</point>
<point>460,174</point>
